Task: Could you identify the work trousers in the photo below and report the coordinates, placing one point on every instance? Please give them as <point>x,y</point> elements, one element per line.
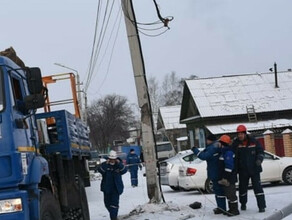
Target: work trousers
<point>219,195</point>
<point>111,202</point>
<point>230,193</point>
<point>134,177</point>
<point>257,188</point>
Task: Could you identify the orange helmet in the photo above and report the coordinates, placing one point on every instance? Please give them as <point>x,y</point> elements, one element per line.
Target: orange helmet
<point>241,128</point>
<point>225,139</point>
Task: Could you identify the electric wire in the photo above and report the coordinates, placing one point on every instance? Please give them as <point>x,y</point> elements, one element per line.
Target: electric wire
<point>102,33</point>
<point>94,37</point>
<point>108,43</point>
<point>163,21</point>
<point>96,48</point>
<point>111,55</point>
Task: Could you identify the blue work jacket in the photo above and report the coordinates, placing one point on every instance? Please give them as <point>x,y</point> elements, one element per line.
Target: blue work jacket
<point>227,164</point>
<point>112,177</point>
<point>211,155</point>
<point>133,161</point>
<point>247,153</point>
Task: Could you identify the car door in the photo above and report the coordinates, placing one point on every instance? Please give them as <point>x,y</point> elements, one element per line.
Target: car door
<point>271,168</point>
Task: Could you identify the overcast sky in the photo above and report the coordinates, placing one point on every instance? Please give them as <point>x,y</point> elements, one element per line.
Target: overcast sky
<point>206,38</point>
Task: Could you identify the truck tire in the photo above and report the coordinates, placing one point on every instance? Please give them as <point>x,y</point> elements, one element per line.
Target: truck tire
<point>49,207</point>
<point>84,203</point>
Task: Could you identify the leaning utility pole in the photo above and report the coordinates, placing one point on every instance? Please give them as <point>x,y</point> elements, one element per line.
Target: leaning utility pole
<point>149,152</point>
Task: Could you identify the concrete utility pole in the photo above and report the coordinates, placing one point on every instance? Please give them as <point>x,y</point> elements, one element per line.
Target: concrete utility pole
<point>149,152</point>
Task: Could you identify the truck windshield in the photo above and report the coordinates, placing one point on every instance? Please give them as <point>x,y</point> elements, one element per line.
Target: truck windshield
<point>1,90</point>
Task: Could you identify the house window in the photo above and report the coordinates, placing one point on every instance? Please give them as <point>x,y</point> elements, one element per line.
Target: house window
<point>191,138</point>
<point>202,141</point>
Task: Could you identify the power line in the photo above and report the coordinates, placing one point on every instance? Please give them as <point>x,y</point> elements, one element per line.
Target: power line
<point>162,21</point>
<point>94,37</point>
<point>98,47</point>
<point>108,67</point>
<point>106,49</point>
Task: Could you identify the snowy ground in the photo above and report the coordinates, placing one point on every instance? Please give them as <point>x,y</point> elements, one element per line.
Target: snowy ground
<point>134,203</point>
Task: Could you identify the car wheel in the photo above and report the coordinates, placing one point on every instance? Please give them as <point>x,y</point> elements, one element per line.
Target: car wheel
<point>175,188</point>
<point>209,186</point>
<point>287,175</point>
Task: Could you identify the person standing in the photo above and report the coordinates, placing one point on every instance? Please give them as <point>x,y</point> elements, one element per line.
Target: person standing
<point>211,155</point>
<point>133,162</point>
<point>112,184</point>
<point>227,174</point>
<point>250,156</point>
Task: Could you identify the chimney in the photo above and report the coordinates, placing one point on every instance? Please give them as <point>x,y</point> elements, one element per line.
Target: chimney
<point>276,75</point>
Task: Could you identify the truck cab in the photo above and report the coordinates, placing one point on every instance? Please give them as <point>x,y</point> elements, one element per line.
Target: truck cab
<point>36,177</point>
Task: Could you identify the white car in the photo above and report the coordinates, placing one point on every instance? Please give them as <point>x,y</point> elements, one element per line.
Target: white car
<point>275,170</point>
<point>169,168</point>
<point>165,150</point>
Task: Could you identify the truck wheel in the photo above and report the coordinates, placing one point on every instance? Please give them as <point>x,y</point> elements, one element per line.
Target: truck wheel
<point>209,186</point>
<point>84,203</point>
<point>49,207</point>
<point>287,175</point>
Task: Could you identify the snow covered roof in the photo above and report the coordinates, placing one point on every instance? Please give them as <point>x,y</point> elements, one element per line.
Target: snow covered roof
<point>230,95</point>
<point>170,117</point>
<point>251,126</point>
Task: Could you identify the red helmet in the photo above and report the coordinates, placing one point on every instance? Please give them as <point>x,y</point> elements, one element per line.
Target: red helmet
<point>225,139</point>
<point>241,128</point>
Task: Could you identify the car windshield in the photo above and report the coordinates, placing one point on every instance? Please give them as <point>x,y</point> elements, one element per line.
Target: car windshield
<point>164,147</point>
<point>1,90</point>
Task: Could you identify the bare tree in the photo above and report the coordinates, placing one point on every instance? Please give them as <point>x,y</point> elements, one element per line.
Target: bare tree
<point>109,119</point>
<point>172,88</point>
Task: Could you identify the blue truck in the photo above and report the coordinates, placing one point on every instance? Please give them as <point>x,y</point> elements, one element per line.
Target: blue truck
<point>43,156</point>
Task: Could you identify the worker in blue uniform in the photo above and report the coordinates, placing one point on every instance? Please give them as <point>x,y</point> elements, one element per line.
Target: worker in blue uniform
<point>133,162</point>
<point>211,155</point>
<point>250,155</point>
<point>112,184</point>
<point>227,174</point>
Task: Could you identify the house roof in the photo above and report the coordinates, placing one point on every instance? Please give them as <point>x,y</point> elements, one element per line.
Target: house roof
<point>230,95</point>
<point>170,117</point>
<point>251,126</point>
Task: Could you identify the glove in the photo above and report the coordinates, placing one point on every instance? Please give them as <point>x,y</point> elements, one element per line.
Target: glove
<point>258,162</point>
<point>224,182</point>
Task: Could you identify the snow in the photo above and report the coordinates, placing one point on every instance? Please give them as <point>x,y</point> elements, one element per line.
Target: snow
<point>170,117</point>
<point>134,203</point>
<point>252,126</point>
<point>220,96</point>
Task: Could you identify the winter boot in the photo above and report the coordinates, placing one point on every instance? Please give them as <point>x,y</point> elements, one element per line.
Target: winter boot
<point>218,211</point>
<point>243,207</point>
<point>233,209</point>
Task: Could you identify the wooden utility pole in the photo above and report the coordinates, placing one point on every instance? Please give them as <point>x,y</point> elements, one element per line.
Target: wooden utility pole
<point>149,152</point>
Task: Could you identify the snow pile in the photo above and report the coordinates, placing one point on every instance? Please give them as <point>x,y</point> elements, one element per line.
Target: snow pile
<point>152,211</point>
